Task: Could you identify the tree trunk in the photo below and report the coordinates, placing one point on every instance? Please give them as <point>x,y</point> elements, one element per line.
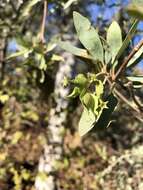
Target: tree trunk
<point>45,179</point>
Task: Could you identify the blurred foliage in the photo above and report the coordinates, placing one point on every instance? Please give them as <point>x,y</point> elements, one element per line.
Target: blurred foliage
<point>26,99</point>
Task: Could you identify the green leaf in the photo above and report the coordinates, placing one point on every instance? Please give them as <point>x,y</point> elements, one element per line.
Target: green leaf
<point>137,85</point>
<point>3,97</point>
<point>17,54</point>
<point>126,41</point>
<point>88,101</point>
<point>105,116</point>
<point>135,11</point>
<point>86,122</point>
<point>99,88</point>
<point>136,58</point>
<point>42,78</point>
<point>16,137</point>
<point>96,101</point>
<point>27,8</point>
<point>136,79</point>
<point>114,38</point>
<point>76,91</point>
<point>74,50</point>
<point>43,65</point>
<point>88,36</point>
<point>108,56</point>
<point>80,80</point>
<point>24,42</point>
<point>69,3</point>
<point>57,58</point>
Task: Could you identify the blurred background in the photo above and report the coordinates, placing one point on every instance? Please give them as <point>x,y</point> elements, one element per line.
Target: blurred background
<point>40,148</point>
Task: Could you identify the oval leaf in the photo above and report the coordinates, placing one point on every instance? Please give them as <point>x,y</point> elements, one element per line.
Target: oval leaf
<point>136,79</point>
<point>126,41</point>
<point>114,39</point>
<point>88,101</point>
<point>86,122</point>
<point>88,36</point>
<point>74,93</point>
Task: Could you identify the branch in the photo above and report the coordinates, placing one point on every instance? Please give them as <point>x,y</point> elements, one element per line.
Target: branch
<point>137,102</point>
<point>124,99</point>
<point>131,92</point>
<point>41,36</point>
<point>125,62</point>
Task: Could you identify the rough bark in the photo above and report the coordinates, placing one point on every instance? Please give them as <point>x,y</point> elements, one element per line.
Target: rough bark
<point>58,115</point>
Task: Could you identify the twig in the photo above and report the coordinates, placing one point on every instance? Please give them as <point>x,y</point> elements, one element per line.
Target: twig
<point>41,36</point>
<point>140,106</point>
<point>125,62</point>
<point>130,90</point>
<point>124,99</point>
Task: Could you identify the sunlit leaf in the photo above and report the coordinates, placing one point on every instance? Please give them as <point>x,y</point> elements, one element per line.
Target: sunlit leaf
<point>74,50</point>
<point>136,58</point>
<point>88,101</point>
<point>88,36</point>
<point>136,78</point>
<point>137,81</point>
<point>114,39</point>
<point>96,101</point>
<point>137,85</point>
<point>24,42</point>
<point>57,58</point>
<point>28,6</point>
<point>74,93</point>
<point>80,80</point>
<point>135,11</point>
<point>42,78</point>
<point>43,65</point>
<point>126,41</point>
<point>86,122</point>
<point>99,88</point>
<point>51,46</point>
<point>17,54</point>
<point>69,3</point>
<point>31,115</point>
<point>16,137</point>
<point>4,98</point>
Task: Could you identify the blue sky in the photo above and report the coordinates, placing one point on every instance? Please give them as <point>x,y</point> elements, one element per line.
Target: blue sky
<point>108,12</point>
